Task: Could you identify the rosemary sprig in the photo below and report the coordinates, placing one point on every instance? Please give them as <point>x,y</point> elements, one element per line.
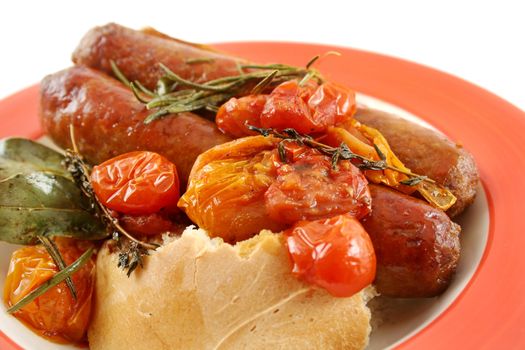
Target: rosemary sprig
<point>80,171</point>
<point>338,153</point>
<point>56,279</point>
<point>175,94</point>
<point>53,251</point>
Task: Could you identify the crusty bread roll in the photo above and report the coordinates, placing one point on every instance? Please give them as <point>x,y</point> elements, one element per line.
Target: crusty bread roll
<point>200,293</point>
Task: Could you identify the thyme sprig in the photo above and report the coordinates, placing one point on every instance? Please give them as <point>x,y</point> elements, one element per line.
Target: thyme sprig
<point>175,94</point>
<point>80,172</point>
<point>342,152</point>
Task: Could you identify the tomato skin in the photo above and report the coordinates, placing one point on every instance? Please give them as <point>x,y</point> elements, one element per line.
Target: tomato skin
<point>308,188</point>
<point>332,104</point>
<point>233,116</point>
<point>335,254</point>
<point>148,225</point>
<point>55,314</point>
<point>287,107</point>
<point>308,108</point>
<point>225,194</point>
<point>137,183</point>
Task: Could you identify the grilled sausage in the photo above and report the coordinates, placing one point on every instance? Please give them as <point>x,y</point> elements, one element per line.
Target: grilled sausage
<point>108,121</point>
<point>417,246</point>
<point>426,152</point>
<point>138,54</point>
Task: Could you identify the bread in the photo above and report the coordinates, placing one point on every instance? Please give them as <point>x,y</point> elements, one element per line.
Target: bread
<point>200,293</point>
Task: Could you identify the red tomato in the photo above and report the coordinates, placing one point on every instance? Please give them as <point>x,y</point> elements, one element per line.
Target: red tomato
<point>335,254</point>
<point>308,188</point>
<point>136,183</point>
<point>287,107</point>
<point>233,116</point>
<point>331,104</point>
<point>148,225</point>
<point>54,314</point>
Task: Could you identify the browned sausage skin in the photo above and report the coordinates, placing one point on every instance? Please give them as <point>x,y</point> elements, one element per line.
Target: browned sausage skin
<point>138,54</point>
<point>426,152</point>
<point>417,246</point>
<point>108,121</point>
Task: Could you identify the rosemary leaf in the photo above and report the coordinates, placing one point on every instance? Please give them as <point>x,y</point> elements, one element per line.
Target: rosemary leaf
<point>379,153</point>
<point>56,279</point>
<point>137,93</point>
<point>312,61</point>
<point>199,60</point>
<point>413,180</point>
<point>144,89</point>
<point>263,84</point>
<point>117,72</point>
<point>53,251</point>
<point>282,152</point>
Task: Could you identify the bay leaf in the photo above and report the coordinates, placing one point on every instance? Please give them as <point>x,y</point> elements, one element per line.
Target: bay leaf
<point>38,197</point>
<point>18,155</point>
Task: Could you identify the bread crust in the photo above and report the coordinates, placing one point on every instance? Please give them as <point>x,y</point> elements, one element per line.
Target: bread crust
<point>197,293</point>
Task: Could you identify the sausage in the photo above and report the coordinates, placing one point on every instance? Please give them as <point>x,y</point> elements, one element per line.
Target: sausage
<point>138,54</point>
<point>417,246</point>
<point>428,153</point>
<point>108,121</point>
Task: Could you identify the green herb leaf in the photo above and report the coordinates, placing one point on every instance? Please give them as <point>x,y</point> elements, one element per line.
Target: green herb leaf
<point>53,251</point>
<point>39,197</point>
<point>56,279</point>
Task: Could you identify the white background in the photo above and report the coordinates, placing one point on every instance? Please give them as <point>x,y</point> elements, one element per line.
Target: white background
<point>482,42</point>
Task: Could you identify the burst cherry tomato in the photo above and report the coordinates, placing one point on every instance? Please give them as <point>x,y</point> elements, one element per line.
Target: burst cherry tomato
<point>331,104</point>
<point>136,183</point>
<point>309,108</point>
<point>335,254</point>
<point>307,187</point>
<point>233,116</point>
<point>54,314</point>
<point>287,107</point>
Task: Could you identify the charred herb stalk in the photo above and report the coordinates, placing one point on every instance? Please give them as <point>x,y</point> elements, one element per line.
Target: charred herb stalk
<point>338,153</point>
<point>80,172</point>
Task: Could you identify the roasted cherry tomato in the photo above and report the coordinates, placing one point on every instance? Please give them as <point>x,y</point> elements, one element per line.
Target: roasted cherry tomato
<point>54,314</point>
<point>331,104</point>
<point>287,107</point>
<point>234,115</point>
<point>308,187</point>
<point>335,254</point>
<point>225,194</point>
<point>136,183</point>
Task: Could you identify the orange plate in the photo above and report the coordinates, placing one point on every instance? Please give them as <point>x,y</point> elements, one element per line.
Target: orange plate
<point>490,312</point>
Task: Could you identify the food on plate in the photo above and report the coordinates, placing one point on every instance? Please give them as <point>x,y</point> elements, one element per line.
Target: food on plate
<point>56,314</point>
<point>306,205</point>
<point>109,121</point>
<point>215,295</point>
<point>427,152</point>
